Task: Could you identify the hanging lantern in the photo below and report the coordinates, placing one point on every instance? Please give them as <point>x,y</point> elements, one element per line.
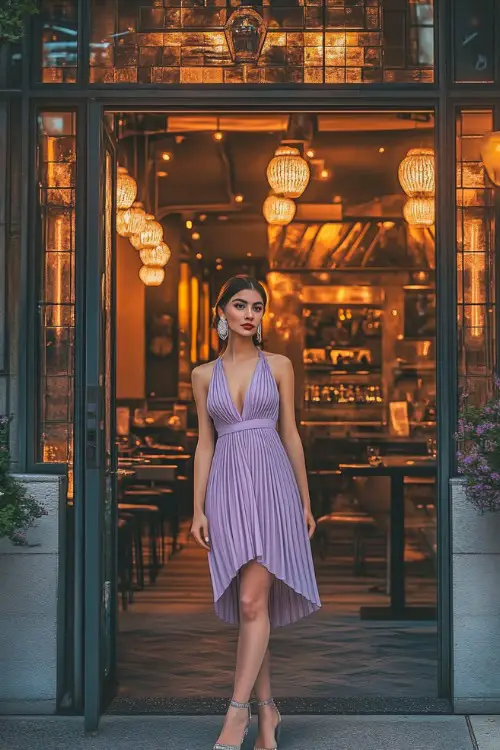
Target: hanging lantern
<point>419,212</point>
<point>416,173</point>
<point>126,189</point>
<point>151,275</point>
<point>245,33</point>
<point>131,220</point>
<point>156,256</point>
<point>490,155</point>
<point>152,234</point>
<point>278,210</point>
<point>135,241</point>
<point>288,173</point>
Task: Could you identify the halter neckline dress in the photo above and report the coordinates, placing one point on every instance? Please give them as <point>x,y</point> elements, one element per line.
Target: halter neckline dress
<point>253,503</point>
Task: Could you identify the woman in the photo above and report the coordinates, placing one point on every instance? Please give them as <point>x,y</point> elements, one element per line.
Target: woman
<point>251,501</point>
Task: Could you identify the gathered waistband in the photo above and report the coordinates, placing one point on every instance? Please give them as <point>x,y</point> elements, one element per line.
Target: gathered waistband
<point>247,424</point>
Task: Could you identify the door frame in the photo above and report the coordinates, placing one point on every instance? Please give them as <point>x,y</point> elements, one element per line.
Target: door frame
<point>287,101</point>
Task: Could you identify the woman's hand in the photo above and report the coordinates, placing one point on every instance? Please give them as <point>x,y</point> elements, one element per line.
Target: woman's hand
<point>310,522</point>
<point>199,529</point>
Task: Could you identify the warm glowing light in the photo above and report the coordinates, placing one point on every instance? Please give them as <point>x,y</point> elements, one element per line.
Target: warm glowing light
<point>288,173</point>
<point>416,173</point>
<point>473,261</point>
<point>151,276</point>
<point>162,173</point>
<point>152,234</point>
<point>166,156</point>
<point>156,256</point>
<point>218,135</point>
<point>131,221</point>
<point>419,212</point>
<point>218,267</point>
<point>126,189</point>
<point>310,153</point>
<point>238,198</point>
<point>381,150</point>
<point>202,217</point>
<point>199,256</point>
<point>278,210</point>
<point>189,224</point>
<point>325,174</point>
<point>490,155</point>
<point>195,236</point>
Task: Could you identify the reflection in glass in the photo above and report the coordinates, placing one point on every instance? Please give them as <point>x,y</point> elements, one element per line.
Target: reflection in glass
<point>311,42</point>
<point>475,258</point>
<point>56,183</point>
<point>58,25</point>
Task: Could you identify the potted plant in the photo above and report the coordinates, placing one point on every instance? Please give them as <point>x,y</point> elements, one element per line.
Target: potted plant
<point>479,455</point>
<point>12,14</point>
<point>18,509</point>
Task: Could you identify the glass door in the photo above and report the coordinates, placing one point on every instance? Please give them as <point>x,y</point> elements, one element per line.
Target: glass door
<point>100,456</point>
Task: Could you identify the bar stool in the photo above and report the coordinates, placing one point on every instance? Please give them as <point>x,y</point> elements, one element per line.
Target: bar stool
<point>149,519</point>
<point>125,545</point>
<point>164,480</point>
<point>137,554</point>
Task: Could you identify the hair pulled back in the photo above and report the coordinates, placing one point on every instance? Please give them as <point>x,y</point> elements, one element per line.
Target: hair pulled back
<point>232,286</point>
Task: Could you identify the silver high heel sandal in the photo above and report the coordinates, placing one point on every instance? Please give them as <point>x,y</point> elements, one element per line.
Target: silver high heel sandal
<point>218,746</point>
<point>277,731</point>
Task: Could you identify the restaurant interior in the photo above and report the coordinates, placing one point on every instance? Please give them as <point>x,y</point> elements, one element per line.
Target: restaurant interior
<point>346,252</point>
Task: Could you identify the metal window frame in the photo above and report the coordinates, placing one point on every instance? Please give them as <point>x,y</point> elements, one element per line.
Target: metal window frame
<point>444,97</point>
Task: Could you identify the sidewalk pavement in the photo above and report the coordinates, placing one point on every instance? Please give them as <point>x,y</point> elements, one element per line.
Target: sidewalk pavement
<point>299,733</point>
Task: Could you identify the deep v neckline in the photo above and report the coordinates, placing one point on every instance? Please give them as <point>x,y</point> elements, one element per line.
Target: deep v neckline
<point>245,397</point>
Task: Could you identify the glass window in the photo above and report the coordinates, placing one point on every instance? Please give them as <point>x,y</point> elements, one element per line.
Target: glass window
<point>292,41</point>
<point>58,24</point>
<point>474,41</point>
<point>56,195</point>
<point>475,259</point>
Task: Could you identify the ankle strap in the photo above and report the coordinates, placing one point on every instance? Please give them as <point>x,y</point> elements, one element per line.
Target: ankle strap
<point>266,702</point>
<point>236,704</point>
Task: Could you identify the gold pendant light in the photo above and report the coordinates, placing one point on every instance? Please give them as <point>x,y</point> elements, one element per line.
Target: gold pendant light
<point>156,256</point>
<point>278,211</point>
<point>126,189</point>
<point>419,212</point>
<point>152,234</point>
<point>288,173</point>
<point>416,173</point>
<point>131,220</point>
<point>151,275</point>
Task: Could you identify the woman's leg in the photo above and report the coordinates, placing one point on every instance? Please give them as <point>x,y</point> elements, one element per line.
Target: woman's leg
<point>268,717</point>
<point>255,583</point>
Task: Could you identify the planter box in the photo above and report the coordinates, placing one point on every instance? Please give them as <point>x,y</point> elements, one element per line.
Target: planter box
<point>31,613</point>
<point>476,606</point>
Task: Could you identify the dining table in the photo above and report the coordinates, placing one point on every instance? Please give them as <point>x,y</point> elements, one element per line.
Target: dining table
<point>397,468</point>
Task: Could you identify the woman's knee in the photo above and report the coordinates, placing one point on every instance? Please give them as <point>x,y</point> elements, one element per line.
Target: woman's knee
<point>252,606</point>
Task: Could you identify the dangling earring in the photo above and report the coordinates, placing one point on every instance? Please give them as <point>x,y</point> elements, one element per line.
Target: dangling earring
<point>222,328</point>
<point>259,333</point>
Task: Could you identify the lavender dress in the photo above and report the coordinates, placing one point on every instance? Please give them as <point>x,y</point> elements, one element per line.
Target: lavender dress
<point>253,503</point>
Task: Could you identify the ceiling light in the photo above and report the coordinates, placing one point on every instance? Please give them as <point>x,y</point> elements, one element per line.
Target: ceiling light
<point>151,275</point>
<point>416,173</point>
<point>202,217</point>
<point>223,218</point>
<point>288,173</point>
<point>419,212</point>
<point>278,211</point>
<point>249,255</point>
<point>381,150</point>
<point>156,256</point>
<point>179,139</point>
<point>195,236</point>
<point>152,234</point>
<point>238,198</point>
<point>310,153</point>
<point>189,224</point>
<point>218,135</point>
<point>126,189</point>
<point>218,267</point>
<point>324,174</point>
<point>199,256</point>
<point>166,156</point>
<point>162,173</point>
<point>218,260</point>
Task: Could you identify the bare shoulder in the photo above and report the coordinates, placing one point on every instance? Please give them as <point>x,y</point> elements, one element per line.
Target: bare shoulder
<point>280,364</point>
<point>201,373</point>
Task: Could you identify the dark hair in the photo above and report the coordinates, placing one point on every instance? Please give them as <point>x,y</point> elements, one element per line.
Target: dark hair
<point>232,286</point>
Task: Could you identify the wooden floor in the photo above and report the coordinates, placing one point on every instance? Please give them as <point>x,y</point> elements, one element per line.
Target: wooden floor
<point>172,645</point>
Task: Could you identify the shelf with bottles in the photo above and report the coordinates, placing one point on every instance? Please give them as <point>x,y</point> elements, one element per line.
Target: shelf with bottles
<point>344,394</point>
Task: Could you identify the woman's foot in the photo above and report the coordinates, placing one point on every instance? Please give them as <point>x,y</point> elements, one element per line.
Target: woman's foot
<point>233,730</point>
<point>268,721</point>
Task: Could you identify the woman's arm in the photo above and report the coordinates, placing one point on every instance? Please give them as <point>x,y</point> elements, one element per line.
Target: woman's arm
<point>200,378</point>
<point>290,435</point>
